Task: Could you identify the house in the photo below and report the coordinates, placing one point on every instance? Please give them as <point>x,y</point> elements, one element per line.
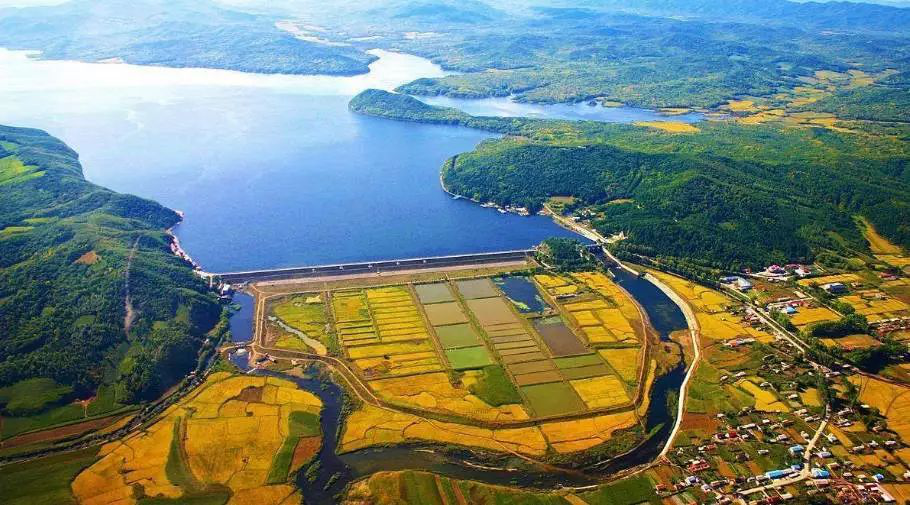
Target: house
<point>743,284</point>
<point>835,288</point>
<point>779,474</point>
<point>818,473</point>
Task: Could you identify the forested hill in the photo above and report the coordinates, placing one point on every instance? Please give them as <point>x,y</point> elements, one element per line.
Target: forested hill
<point>64,249</point>
<point>726,195</point>
<point>852,16</point>
<point>172,33</point>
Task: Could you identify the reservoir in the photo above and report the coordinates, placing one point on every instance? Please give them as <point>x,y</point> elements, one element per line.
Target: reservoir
<point>270,170</point>
<point>273,170</point>
<point>506,107</point>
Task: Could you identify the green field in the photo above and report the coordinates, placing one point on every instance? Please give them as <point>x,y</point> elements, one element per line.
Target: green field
<point>469,357</point>
<point>300,424</point>
<point>434,293</point>
<point>578,361</point>
<point>457,335</point>
<point>45,481</point>
<point>632,491</point>
<point>552,399</point>
<point>495,387</point>
<point>32,395</point>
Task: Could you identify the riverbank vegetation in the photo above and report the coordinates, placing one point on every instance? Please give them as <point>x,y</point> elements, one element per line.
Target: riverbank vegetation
<point>93,304</point>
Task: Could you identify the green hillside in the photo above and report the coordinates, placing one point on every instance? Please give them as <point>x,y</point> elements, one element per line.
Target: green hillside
<point>64,249</point>
<point>725,196</point>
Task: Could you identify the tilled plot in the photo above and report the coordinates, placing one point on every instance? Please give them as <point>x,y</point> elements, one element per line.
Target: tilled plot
<point>492,312</point>
<point>559,338</point>
<point>441,314</point>
<point>477,288</point>
<point>457,335</point>
<point>434,293</point>
<point>467,358</point>
<point>538,378</point>
<point>555,398</point>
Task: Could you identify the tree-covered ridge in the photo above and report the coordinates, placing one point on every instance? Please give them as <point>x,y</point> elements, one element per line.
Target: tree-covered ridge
<point>561,55</point>
<point>173,34</point>
<point>64,249</point>
<point>727,196</point>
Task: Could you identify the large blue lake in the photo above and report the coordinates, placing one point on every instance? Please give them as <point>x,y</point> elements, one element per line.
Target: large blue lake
<point>270,170</point>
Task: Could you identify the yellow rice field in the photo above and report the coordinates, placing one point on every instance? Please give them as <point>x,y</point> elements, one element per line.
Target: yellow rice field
<point>876,305</point>
<point>891,400</point>
<point>601,392</point>
<point>710,310</point>
<point>699,297</point>
<point>580,434</point>
<point>811,315</point>
<point>383,332</point>
<point>608,320</point>
<point>434,391</point>
<point>828,279</point>
<point>669,126</point>
<point>765,400</point>
<point>229,430</point>
<point>741,105</point>
<point>369,426</point>
<point>852,342</point>
<point>624,361</point>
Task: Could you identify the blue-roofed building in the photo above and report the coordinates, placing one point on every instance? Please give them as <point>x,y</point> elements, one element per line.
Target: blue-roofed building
<point>819,473</point>
<point>778,474</point>
<point>796,449</point>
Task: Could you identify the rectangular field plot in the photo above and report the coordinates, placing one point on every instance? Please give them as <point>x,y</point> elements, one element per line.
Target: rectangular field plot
<point>556,286</point>
<point>531,367</point>
<point>399,364</point>
<point>553,399</point>
<point>477,288</point>
<point>558,337</point>
<point>538,378</point>
<point>582,367</point>
<point>434,293</point>
<point>578,361</point>
<point>350,306</point>
<point>469,357</point>
<point>601,392</point>
<point>457,335</point>
<point>519,350</point>
<point>376,350</point>
<point>586,372</point>
<point>441,314</point>
<point>600,323</point>
<point>624,361</point>
<point>395,314</point>
<point>492,311</point>
<point>528,355</point>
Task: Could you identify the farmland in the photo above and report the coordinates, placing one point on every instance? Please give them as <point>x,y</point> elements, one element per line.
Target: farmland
<point>471,350</point>
<point>236,439</point>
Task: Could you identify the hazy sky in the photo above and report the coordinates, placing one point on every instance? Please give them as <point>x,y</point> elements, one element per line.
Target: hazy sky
<point>26,3</point>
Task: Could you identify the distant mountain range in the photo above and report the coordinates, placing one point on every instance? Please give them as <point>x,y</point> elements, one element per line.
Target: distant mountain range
<point>178,34</point>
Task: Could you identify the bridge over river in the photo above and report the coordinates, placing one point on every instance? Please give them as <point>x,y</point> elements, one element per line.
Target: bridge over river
<point>377,267</point>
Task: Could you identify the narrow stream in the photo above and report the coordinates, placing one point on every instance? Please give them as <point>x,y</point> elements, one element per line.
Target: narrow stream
<point>334,472</point>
